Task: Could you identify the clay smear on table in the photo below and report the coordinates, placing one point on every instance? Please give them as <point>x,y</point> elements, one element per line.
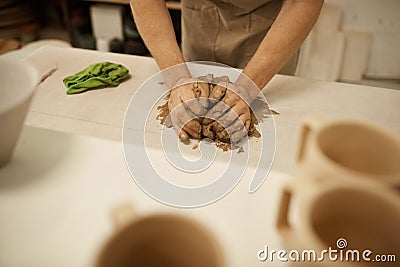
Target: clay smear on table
<point>210,129</point>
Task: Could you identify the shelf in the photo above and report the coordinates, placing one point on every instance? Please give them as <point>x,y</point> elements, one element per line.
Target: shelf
<point>173,5</point>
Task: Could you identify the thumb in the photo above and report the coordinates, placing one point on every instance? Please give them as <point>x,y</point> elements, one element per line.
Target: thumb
<point>183,136</point>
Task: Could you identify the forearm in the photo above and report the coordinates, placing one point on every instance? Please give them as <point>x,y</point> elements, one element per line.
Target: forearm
<point>291,27</point>
<point>155,27</point>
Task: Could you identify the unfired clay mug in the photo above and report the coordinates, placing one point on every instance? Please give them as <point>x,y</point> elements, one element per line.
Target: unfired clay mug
<point>352,150</point>
<point>342,217</point>
<point>158,240</point>
<point>345,189</point>
<point>18,82</point>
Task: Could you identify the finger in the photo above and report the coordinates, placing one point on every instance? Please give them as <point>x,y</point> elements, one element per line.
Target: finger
<point>231,116</point>
<point>183,136</point>
<point>168,122</point>
<point>216,112</point>
<point>217,92</point>
<point>244,114</point>
<point>193,128</point>
<point>231,99</point>
<point>239,128</point>
<point>237,118</point>
<point>185,94</point>
<point>201,89</point>
<point>235,132</point>
<point>238,136</point>
<point>179,117</point>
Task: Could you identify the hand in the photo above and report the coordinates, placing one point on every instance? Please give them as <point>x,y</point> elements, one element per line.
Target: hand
<point>188,102</point>
<point>232,113</point>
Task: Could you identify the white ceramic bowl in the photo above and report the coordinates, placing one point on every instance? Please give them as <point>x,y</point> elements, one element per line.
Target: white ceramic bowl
<point>18,81</point>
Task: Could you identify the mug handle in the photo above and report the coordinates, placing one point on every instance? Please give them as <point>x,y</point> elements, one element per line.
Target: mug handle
<point>122,215</point>
<point>310,123</point>
<point>284,205</point>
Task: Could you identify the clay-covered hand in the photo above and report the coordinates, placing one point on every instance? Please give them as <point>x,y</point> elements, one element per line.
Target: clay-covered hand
<point>187,102</point>
<point>232,113</point>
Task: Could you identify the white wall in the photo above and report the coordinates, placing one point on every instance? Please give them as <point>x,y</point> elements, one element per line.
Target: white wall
<point>382,19</point>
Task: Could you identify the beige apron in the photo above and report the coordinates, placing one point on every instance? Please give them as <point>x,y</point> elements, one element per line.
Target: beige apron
<point>227,31</point>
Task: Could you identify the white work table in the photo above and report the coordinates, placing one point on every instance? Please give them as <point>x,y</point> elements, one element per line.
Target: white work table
<point>100,113</point>
<point>68,171</point>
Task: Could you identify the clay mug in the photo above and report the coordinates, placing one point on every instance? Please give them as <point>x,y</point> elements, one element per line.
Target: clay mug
<point>161,239</point>
<point>354,224</point>
<point>18,82</point>
<point>353,150</point>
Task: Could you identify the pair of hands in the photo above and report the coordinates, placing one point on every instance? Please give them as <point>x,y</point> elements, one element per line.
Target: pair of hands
<point>189,100</point>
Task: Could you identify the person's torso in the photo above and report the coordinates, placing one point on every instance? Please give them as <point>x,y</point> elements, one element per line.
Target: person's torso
<point>225,31</point>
